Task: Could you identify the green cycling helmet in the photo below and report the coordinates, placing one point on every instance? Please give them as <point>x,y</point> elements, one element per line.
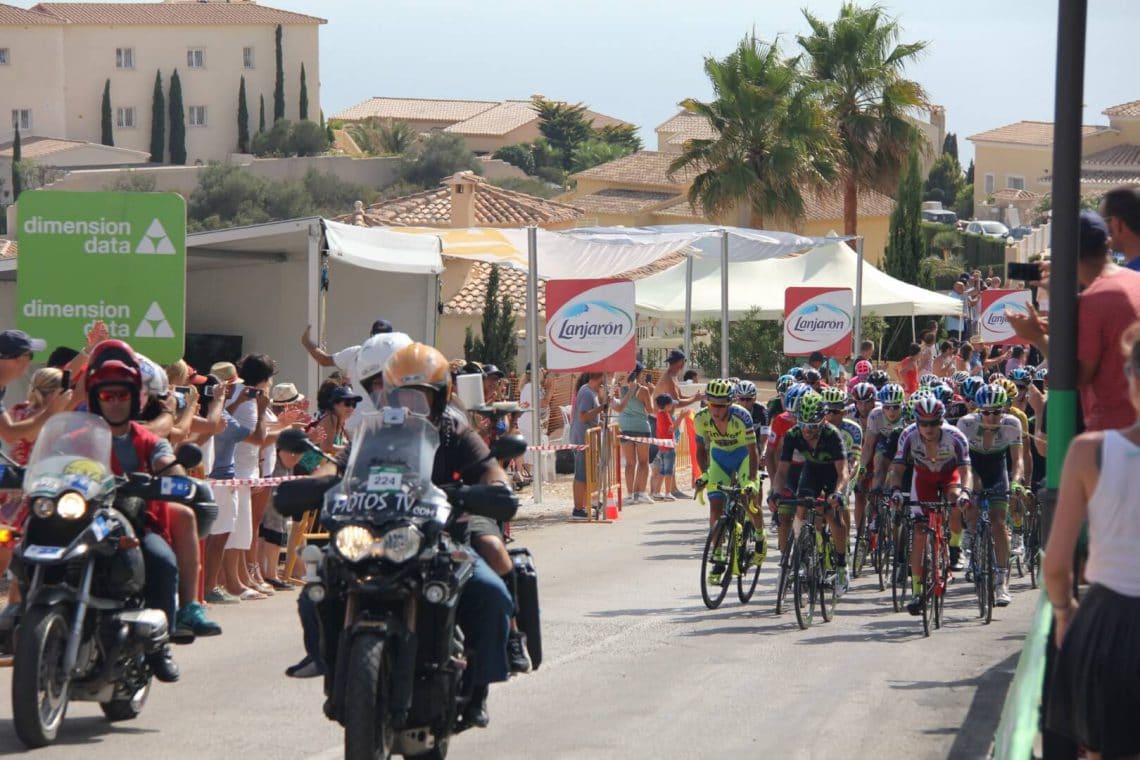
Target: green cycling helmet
<point>719,390</point>
<point>809,410</point>
<point>992,396</point>
<point>834,397</point>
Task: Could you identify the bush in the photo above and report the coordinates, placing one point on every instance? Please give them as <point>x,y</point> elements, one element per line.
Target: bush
<point>440,155</point>
<point>287,138</point>
<point>980,251</point>
<point>552,174</point>
<point>274,142</point>
<point>520,155</point>
<point>756,347</point>
<point>132,182</point>
<point>307,138</point>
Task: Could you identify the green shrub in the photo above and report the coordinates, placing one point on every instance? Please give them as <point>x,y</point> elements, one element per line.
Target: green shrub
<point>520,155</point>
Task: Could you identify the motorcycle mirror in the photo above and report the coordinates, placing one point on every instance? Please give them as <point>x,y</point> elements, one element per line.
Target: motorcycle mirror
<point>188,455</point>
<point>294,498</point>
<point>508,447</point>
<point>294,441</point>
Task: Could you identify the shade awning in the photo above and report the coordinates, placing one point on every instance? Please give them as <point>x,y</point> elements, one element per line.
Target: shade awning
<point>382,249</point>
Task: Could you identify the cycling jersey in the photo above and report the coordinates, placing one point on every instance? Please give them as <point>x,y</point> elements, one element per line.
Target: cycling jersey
<point>852,438</point>
<point>759,422</point>
<point>879,427</point>
<point>728,450</point>
<point>956,409</point>
<point>988,458</point>
<point>818,473</point>
<point>775,407</point>
<point>936,466</point>
<point>776,432</point>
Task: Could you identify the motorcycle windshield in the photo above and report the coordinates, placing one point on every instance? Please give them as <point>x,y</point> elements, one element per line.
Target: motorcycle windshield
<point>389,470</point>
<point>71,453</point>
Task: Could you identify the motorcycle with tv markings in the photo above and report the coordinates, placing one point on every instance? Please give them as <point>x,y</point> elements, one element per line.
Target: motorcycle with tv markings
<point>398,684</point>
<point>85,631</point>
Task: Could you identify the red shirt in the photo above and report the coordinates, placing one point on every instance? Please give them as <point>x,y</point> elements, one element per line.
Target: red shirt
<point>664,424</point>
<point>1104,310</point>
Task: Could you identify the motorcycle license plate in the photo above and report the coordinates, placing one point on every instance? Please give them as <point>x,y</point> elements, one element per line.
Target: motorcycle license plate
<point>44,552</point>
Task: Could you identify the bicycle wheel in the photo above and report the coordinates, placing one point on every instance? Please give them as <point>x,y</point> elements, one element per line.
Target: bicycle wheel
<point>720,541</point>
<point>941,578</point>
<point>1032,547</point>
<point>746,587</point>
<point>827,592</point>
<point>862,546</point>
<point>982,571</point>
<point>991,560</point>
<point>884,550</point>
<point>927,583</point>
<point>805,583</point>
<point>900,569</point>
<point>784,583</point>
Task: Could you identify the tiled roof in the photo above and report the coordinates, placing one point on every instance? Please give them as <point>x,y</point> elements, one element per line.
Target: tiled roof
<point>416,109</point>
<point>1116,156</point>
<point>7,248</point>
<point>1121,177</point>
<point>493,206</point>
<point>681,208</point>
<point>1131,108</point>
<point>827,206</point>
<point>498,120</point>
<point>599,120</point>
<point>645,168</point>
<point>1029,133</point>
<point>618,201</point>
<point>40,147</point>
<point>687,126</point>
<point>10,15</point>
<point>1011,194</point>
<point>160,14</point>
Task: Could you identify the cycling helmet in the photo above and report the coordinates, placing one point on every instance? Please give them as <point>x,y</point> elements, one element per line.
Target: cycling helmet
<point>812,376</point>
<point>809,410</point>
<point>797,373</point>
<point>783,383</point>
<point>863,368</point>
<point>113,372</point>
<point>959,377</point>
<point>746,389</point>
<point>970,387</point>
<point>943,392</point>
<point>154,379</point>
<point>792,397</point>
<point>863,392</point>
<point>928,380</point>
<point>892,394</point>
<point>834,397</point>
<point>1020,376</point>
<point>994,377</point>
<point>928,408</point>
<point>879,378</point>
<point>1042,373</point>
<point>992,396</point>
<point>1010,388</point>
<point>719,390</point>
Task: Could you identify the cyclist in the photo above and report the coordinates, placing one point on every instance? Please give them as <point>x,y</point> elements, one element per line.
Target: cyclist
<point>1017,508</point>
<point>991,434</point>
<point>864,401</point>
<point>941,458</point>
<point>863,369</point>
<point>780,425</point>
<point>726,448</point>
<point>881,422</point>
<point>776,403</point>
<point>969,391</point>
<point>824,471</point>
<point>878,378</point>
<point>813,378</point>
<point>928,380</point>
<point>746,397</point>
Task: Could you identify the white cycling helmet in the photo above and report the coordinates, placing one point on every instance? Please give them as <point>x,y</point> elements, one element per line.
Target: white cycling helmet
<point>154,380</point>
<point>373,355</point>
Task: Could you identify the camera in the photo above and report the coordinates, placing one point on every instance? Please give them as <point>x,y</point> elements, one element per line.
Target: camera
<point>1023,272</point>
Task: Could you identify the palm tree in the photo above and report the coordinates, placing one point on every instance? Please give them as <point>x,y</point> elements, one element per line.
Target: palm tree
<point>772,141</point>
<point>861,62</point>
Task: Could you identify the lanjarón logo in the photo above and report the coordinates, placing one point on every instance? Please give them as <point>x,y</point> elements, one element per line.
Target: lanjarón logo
<point>818,322</point>
<point>590,326</point>
<point>994,316</point>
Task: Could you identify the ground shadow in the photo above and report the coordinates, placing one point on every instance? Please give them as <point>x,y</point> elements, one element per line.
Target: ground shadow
<point>78,731</point>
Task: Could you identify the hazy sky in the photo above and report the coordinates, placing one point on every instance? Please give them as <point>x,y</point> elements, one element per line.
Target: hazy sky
<point>989,62</point>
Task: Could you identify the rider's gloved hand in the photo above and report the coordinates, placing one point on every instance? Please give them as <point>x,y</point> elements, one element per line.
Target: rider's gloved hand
<point>964,498</point>
<point>1016,487</point>
<point>916,510</point>
<point>836,499</point>
<point>700,483</point>
<point>897,497</point>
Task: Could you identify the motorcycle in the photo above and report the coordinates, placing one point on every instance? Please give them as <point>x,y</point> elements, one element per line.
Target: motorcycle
<point>392,562</point>
<point>85,631</point>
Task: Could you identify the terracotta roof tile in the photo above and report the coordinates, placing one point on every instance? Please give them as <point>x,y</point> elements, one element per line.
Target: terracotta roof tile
<point>645,168</point>
<point>1131,108</point>
<point>497,120</point>
<point>686,126</point>
<point>160,14</point>
<point>39,147</point>
<point>1011,194</point>
<point>10,15</point>
<point>1029,133</point>
<point>494,207</point>
<point>416,109</point>
<point>681,208</point>
<point>1121,177</point>
<point>824,207</point>
<point>599,120</point>
<point>7,248</point>
<point>1116,156</point>
<point>618,201</point>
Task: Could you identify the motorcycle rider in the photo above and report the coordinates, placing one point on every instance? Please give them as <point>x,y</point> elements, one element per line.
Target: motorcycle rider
<point>486,605</point>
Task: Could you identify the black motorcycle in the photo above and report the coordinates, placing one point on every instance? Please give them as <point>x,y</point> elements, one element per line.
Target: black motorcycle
<point>395,569</point>
<point>85,631</point>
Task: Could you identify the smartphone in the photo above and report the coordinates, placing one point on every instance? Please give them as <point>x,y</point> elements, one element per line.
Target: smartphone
<point>1024,272</point>
<point>182,389</point>
<point>252,392</point>
<point>208,390</point>
<point>65,381</point>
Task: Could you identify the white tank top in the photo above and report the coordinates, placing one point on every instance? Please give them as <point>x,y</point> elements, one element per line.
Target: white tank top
<point>1114,518</point>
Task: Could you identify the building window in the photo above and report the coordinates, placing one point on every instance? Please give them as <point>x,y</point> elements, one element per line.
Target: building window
<point>247,57</point>
<point>1013,182</point>
<point>989,185</point>
<point>125,118</point>
<point>3,56</point>
<point>197,116</point>
<point>196,58</point>
<point>22,119</point>
<point>124,58</point>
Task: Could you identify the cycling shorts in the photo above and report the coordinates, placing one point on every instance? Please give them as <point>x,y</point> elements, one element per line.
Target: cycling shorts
<point>717,477</point>
<point>930,486</point>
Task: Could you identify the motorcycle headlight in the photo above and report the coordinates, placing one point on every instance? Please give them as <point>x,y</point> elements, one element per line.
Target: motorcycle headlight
<point>403,543</point>
<point>43,507</point>
<point>354,542</point>
<point>71,506</point>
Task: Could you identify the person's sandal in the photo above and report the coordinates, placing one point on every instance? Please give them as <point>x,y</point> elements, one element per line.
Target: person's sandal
<point>278,584</point>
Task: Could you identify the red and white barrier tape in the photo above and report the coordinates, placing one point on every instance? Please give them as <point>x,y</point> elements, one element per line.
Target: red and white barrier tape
<point>557,447</point>
<point>255,482</point>
<point>662,443</point>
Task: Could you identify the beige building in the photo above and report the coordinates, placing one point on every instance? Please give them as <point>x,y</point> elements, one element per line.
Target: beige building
<point>63,155</point>
<point>56,57</point>
<point>1020,156</point>
<point>485,125</point>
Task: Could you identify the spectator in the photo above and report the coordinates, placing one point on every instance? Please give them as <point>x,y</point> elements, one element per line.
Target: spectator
<point>927,352</point>
<point>907,369</point>
<point>691,376</point>
<point>945,364</point>
<point>590,401</point>
<point>492,384</point>
<point>285,410</point>
<point>974,288</point>
<point>965,361</point>
<point>667,383</point>
<point>16,352</point>
<point>1016,360</point>
<point>866,351</point>
<point>1120,208</point>
<point>837,369</point>
<point>634,405</point>
<point>332,428</point>
<point>666,460</point>
<point>1094,695</point>
<point>957,323</point>
<point>530,403</point>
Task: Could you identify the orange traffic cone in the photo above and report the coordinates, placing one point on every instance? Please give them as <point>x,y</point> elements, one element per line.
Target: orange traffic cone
<point>611,506</point>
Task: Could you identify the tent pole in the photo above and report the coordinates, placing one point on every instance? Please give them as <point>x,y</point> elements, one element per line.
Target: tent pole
<point>532,354</point>
<point>858,295</point>
<point>724,303</point>
<point>689,307</point>
<point>315,306</point>
<point>913,330</point>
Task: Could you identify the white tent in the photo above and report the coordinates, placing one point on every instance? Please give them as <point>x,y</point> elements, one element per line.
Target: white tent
<point>761,284</point>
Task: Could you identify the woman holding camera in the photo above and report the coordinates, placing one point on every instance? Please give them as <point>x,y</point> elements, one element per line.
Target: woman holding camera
<point>634,406</point>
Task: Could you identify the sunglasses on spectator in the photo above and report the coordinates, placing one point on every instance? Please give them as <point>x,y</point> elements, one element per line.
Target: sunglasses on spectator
<point>930,423</point>
<point>348,403</point>
<point>110,396</point>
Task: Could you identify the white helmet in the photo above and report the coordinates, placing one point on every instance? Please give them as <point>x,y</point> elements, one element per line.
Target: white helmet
<point>154,380</point>
<point>374,354</point>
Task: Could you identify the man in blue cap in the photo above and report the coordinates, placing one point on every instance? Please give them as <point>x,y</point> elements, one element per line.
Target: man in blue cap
<point>16,351</point>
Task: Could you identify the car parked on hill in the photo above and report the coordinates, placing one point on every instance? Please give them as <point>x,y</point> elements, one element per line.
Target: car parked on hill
<point>989,229</point>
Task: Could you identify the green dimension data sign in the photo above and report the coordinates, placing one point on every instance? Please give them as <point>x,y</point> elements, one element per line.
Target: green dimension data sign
<point>115,257</point>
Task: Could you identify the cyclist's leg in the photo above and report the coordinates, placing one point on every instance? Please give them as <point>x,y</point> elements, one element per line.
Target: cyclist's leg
<point>715,478</point>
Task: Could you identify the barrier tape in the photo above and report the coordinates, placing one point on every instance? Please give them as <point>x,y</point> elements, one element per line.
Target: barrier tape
<point>557,447</point>
<point>662,443</point>
<point>255,482</point>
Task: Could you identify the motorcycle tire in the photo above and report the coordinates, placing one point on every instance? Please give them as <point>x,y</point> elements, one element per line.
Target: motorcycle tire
<point>438,752</point>
<point>368,735</point>
<point>40,639</point>
<point>127,708</point>
<point>528,615</point>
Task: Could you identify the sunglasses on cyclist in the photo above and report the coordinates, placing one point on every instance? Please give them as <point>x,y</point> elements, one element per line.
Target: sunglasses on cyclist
<point>892,407</point>
<point>992,412</point>
<point>833,411</point>
<point>930,423</point>
<point>112,396</point>
<point>719,404</point>
<point>811,425</point>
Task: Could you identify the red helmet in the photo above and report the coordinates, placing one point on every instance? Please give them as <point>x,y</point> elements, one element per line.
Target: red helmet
<point>112,349</point>
<point>113,372</point>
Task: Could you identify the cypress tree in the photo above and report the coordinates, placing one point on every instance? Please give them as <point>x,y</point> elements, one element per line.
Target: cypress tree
<point>904,246</point>
<point>279,81</point>
<point>304,95</point>
<point>243,120</point>
<point>261,117</point>
<point>108,133</point>
<point>177,122</point>
<point>157,121</point>
<point>17,179</point>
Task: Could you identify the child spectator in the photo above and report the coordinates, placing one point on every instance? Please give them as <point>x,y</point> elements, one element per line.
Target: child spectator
<point>666,461</point>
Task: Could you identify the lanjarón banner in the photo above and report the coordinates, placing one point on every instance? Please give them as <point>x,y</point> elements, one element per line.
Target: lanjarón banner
<point>995,326</point>
<point>114,257</point>
<point>591,325</point>
<point>818,319</point>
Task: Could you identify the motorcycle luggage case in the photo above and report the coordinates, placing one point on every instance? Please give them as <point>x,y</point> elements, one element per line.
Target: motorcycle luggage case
<point>526,579</point>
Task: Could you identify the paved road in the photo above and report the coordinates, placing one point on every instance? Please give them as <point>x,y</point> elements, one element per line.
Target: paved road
<point>636,667</point>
